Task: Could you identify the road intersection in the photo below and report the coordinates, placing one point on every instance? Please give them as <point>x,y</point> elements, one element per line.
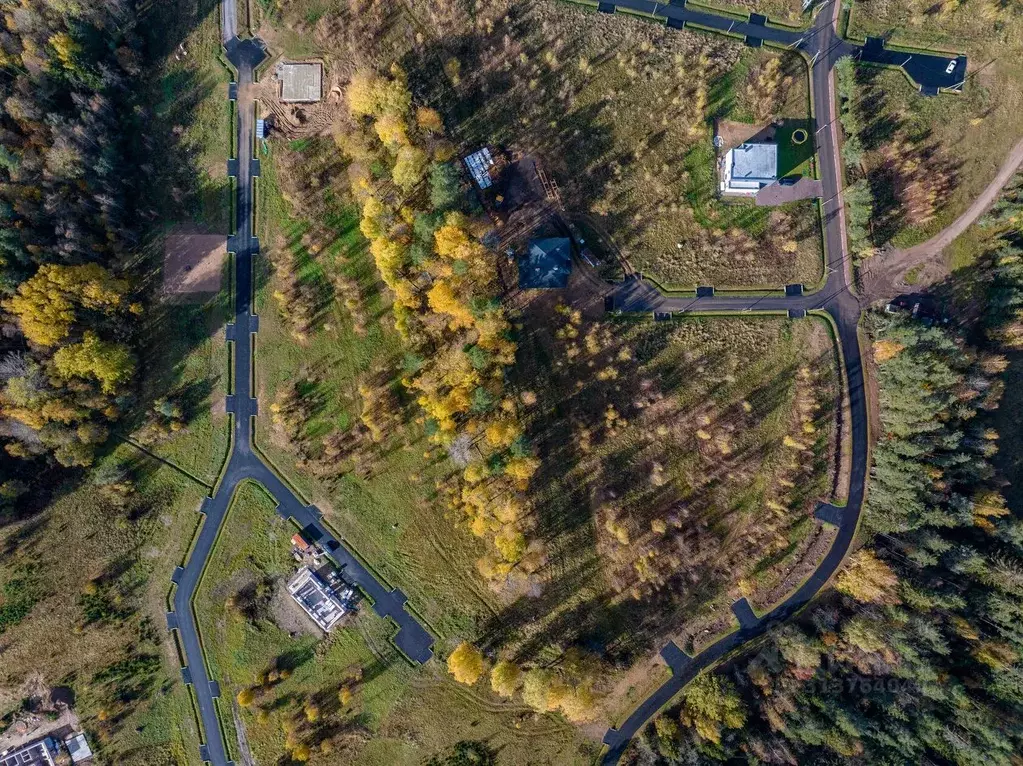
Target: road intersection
<point>824,48</point>
<point>244,463</point>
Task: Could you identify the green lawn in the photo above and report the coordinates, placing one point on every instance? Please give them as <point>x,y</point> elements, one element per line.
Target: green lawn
<point>426,554</point>
<point>193,103</point>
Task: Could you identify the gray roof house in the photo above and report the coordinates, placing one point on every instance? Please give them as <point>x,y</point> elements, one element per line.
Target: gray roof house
<point>748,168</point>
<point>546,264</point>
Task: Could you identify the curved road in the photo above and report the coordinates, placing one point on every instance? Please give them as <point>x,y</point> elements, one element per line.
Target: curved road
<point>244,464</point>
<point>822,44</point>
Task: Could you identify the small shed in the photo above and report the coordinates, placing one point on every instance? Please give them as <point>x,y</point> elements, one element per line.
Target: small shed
<point>78,747</point>
<point>547,263</point>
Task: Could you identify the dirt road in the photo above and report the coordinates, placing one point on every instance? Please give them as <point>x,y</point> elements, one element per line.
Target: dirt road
<point>883,276</point>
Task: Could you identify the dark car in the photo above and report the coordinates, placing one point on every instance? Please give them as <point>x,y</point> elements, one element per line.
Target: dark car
<point>789,180</point>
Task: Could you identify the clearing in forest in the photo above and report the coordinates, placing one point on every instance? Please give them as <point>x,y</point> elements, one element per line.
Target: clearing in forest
<point>193,263</point>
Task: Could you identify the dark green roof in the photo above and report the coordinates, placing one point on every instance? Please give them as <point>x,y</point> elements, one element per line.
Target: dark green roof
<point>547,263</point>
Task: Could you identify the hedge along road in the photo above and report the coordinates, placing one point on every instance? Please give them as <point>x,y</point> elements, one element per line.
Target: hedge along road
<point>244,463</point>
<point>823,46</point>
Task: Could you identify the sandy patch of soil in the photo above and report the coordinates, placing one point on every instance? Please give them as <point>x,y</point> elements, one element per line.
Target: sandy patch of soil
<point>193,262</point>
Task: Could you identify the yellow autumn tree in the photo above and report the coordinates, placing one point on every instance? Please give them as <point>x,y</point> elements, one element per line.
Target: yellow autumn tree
<point>505,677</point>
<point>521,469</point>
<point>868,579</point>
<point>392,130</point>
<point>510,543</point>
<point>112,364</point>
<point>409,167</point>
<point>442,299</point>
<point>502,433</point>
<point>886,350</point>
<point>45,304</point>
<point>536,689</point>
<point>466,663</point>
<point>370,94</point>
<point>429,120</point>
<point>246,697</point>
<point>66,48</point>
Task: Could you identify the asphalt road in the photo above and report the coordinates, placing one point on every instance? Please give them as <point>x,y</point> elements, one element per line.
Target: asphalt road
<point>824,48</point>
<point>929,71</point>
<point>244,464</point>
<point>228,20</point>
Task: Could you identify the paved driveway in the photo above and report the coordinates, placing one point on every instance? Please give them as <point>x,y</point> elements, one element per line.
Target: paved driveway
<point>779,194</point>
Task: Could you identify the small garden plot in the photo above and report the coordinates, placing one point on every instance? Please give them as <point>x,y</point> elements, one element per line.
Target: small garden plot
<point>681,465</point>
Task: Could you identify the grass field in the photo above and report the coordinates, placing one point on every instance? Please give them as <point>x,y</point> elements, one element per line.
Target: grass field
<point>679,473</point>
<point>397,714</point>
<point>193,103</point>
<point>431,560</point>
<point>98,568</point>
<point>786,11</point>
<point>966,136</point>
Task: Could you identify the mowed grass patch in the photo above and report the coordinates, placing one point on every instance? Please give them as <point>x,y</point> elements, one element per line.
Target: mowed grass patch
<point>973,131</point>
<point>621,114</point>
<point>188,359</point>
<point>388,513</point>
<point>391,712</point>
<point>192,103</point>
<point>681,463</point>
<point>98,565</point>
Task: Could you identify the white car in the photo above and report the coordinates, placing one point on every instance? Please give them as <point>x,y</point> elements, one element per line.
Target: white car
<point>951,66</point>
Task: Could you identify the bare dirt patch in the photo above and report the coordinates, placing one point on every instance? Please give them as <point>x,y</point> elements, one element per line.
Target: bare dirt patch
<point>289,616</point>
<point>735,133</point>
<point>297,120</point>
<point>193,263</point>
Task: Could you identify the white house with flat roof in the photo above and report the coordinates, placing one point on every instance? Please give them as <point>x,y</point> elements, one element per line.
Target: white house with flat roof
<point>317,598</point>
<point>748,168</point>
<point>38,753</point>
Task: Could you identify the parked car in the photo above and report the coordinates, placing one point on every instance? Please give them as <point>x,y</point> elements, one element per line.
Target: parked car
<point>951,66</point>
<point>789,180</point>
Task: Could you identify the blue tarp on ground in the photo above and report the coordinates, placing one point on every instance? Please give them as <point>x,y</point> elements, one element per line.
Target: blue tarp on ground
<point>547,263</point>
